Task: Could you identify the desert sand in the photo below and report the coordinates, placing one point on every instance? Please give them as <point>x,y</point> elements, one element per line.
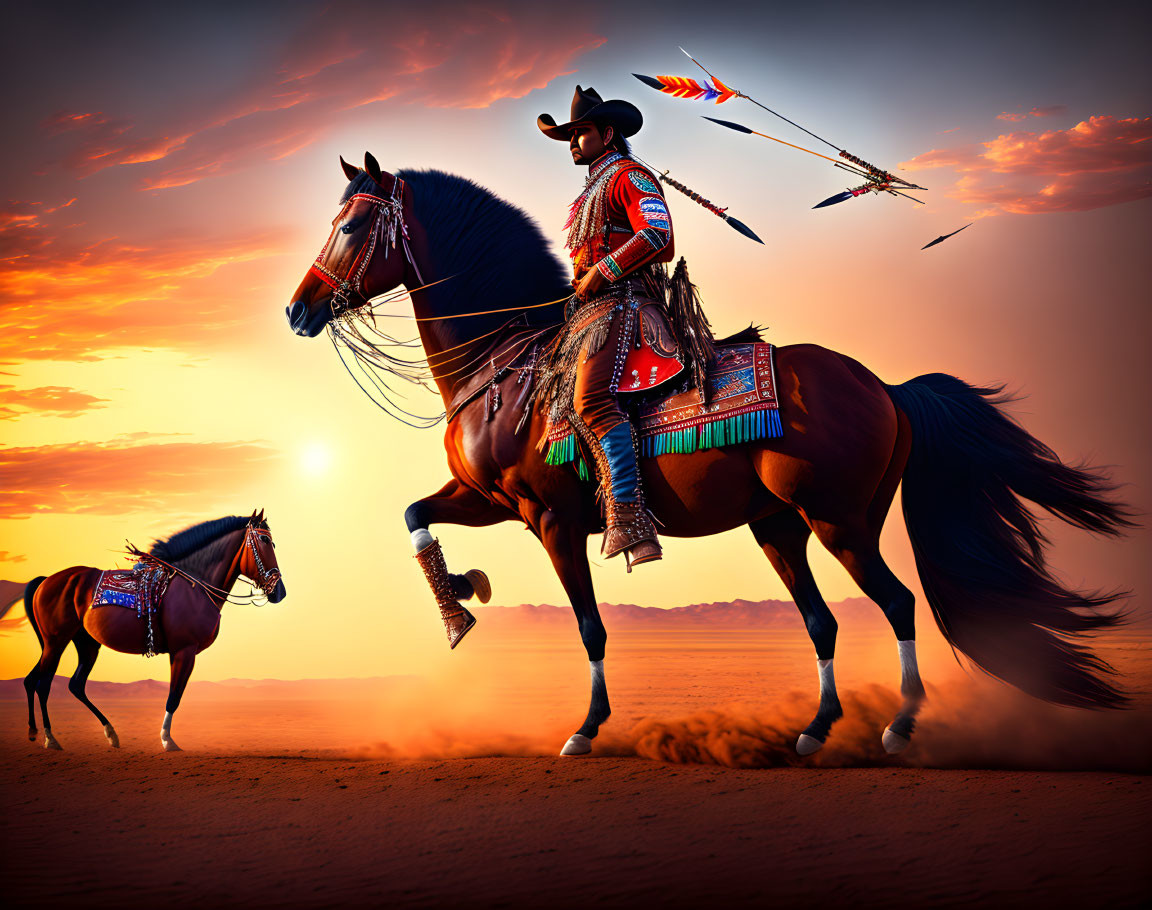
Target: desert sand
<point>414,792</point>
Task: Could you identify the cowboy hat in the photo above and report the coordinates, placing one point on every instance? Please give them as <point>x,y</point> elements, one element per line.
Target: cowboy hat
<point>588,105</point>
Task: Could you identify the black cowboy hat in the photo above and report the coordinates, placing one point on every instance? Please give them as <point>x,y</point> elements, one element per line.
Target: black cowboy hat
<point>588,105</point>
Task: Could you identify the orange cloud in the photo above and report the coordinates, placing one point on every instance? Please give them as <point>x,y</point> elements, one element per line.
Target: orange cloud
<point>436,54</point>
<point>1052,110</point>
<point>61,401</point>
<point>5,556</point>
<point>70,299</point>
<point>124,476</point>
<point>1099,162</point>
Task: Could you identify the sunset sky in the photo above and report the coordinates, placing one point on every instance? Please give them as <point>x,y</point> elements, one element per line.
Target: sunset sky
<point>170,171</point>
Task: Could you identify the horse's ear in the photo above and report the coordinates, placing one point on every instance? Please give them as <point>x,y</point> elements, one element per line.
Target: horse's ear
<point>350,170</point>
<point>260,517</point>
<point>372,166</point>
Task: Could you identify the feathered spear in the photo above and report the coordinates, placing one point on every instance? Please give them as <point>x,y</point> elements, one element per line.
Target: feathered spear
<point>877,179</point>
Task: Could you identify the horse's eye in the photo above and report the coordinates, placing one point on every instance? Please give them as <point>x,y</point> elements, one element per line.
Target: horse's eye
<point>348,228</point>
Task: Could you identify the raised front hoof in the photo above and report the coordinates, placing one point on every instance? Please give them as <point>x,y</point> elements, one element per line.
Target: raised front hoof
<point>894,742</point>
<point>458,626</point>
<point>110,735</point>
<point>481,587</point>
<point>169,744</point>
<point>51,743</point>
<point>578,744</point>
<point>808,745</point>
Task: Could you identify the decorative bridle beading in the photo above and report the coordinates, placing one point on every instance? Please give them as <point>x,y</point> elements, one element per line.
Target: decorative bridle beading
<point>387,226</point>
<point>266,580</point>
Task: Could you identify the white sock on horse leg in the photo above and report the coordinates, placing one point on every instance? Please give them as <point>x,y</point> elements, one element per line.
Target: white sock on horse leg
<point>909,671</point>
<point>827,679</point>
<point>421,537</point>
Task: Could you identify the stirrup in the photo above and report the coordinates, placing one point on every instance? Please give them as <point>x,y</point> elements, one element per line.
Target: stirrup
<point>629,528</point>
<point>645,551</point>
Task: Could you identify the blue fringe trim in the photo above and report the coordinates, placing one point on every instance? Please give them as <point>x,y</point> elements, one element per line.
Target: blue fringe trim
<point>724,431</point>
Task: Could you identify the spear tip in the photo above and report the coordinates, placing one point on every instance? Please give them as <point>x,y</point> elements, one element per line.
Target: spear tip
<point>730,125</point>
<point>650,81</point>
<point>742,228</point>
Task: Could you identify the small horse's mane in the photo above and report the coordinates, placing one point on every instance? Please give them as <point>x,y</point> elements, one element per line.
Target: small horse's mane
<point>184,543</point>
<point>496,252</point>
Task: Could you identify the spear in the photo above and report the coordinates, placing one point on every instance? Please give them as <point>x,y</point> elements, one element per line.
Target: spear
<point>714,209</point>
<point>878,179</point>
<point>735,223</point>
<point>946,236</point>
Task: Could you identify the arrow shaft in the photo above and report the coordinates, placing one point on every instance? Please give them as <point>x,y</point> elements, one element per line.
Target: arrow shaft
<point>800,147</point>
<point>740,94</point>
<point>871,169</point>
<point>786,120</point>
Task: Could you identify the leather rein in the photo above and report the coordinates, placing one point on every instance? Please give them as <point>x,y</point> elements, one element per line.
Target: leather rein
<point>388,227</point>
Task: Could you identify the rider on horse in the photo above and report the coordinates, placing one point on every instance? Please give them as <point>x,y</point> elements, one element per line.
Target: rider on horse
<point>617,336</point>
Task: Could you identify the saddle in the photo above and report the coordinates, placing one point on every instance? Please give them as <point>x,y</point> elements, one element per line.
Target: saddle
<point>141,588</point>
<point>738,404</point>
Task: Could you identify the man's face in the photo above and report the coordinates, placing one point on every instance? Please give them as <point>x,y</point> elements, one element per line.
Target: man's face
<point>587,143</point>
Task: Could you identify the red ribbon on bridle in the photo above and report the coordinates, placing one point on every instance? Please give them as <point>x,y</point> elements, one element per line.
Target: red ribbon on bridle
<point>387,226</point>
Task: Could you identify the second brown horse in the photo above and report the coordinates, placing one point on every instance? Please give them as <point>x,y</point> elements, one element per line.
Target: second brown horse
<point>203,562</point>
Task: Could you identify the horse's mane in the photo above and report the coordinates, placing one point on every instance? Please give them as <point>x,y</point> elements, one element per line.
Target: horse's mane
<point>496,252</point>
<point>184,543</point>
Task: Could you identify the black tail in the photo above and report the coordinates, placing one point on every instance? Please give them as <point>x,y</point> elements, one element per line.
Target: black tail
<point>29,591</point>
<point>980,551</point>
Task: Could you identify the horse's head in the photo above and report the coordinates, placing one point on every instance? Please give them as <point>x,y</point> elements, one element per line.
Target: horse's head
<point>367,253</point>
<point>258,559</point>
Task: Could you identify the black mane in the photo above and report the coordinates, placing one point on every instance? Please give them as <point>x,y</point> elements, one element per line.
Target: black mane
<point>496,252</point>
<point>183,543</point>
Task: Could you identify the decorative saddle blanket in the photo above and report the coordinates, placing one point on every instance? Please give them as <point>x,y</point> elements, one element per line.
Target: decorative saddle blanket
<point>141,589</point>
<point>741,406</point>
<point>137,589</point>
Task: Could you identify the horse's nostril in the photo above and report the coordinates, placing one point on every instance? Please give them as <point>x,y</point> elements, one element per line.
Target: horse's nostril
<point>297,313</point>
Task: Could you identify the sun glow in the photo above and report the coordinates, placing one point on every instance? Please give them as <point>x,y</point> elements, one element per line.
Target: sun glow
<point>315,459</point>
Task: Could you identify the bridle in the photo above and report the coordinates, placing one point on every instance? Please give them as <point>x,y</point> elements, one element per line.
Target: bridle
<point>387,225</point>
<point>266,580</point>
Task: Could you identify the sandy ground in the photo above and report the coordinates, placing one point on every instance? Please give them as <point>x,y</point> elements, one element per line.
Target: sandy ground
<point>449,793</point>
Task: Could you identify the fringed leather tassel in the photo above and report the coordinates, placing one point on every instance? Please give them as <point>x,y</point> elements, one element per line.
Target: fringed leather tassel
<point>686,313</point>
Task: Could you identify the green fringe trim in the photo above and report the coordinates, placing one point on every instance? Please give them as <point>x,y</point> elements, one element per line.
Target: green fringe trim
<point>723,431</point>
<point>562,451</point>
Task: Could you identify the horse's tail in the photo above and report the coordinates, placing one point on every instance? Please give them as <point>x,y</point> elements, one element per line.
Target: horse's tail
<point>980,551</point>
<point>29,593</point>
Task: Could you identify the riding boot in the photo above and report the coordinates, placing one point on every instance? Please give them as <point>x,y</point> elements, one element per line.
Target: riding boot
<point>629,526</point>
<point>457,620</point>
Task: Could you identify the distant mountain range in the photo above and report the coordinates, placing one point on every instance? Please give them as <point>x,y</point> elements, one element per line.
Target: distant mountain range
<point>735,614</point>
<point>721,615</point>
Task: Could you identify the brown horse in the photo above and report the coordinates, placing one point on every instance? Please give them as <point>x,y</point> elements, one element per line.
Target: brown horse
<point>202,564</point>
<point>471,261</point>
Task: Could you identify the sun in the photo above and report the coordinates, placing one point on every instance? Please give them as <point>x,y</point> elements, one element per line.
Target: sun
<point>315,459</point>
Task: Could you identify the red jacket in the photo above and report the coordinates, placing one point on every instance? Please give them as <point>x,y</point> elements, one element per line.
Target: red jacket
<point>639,225</point>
